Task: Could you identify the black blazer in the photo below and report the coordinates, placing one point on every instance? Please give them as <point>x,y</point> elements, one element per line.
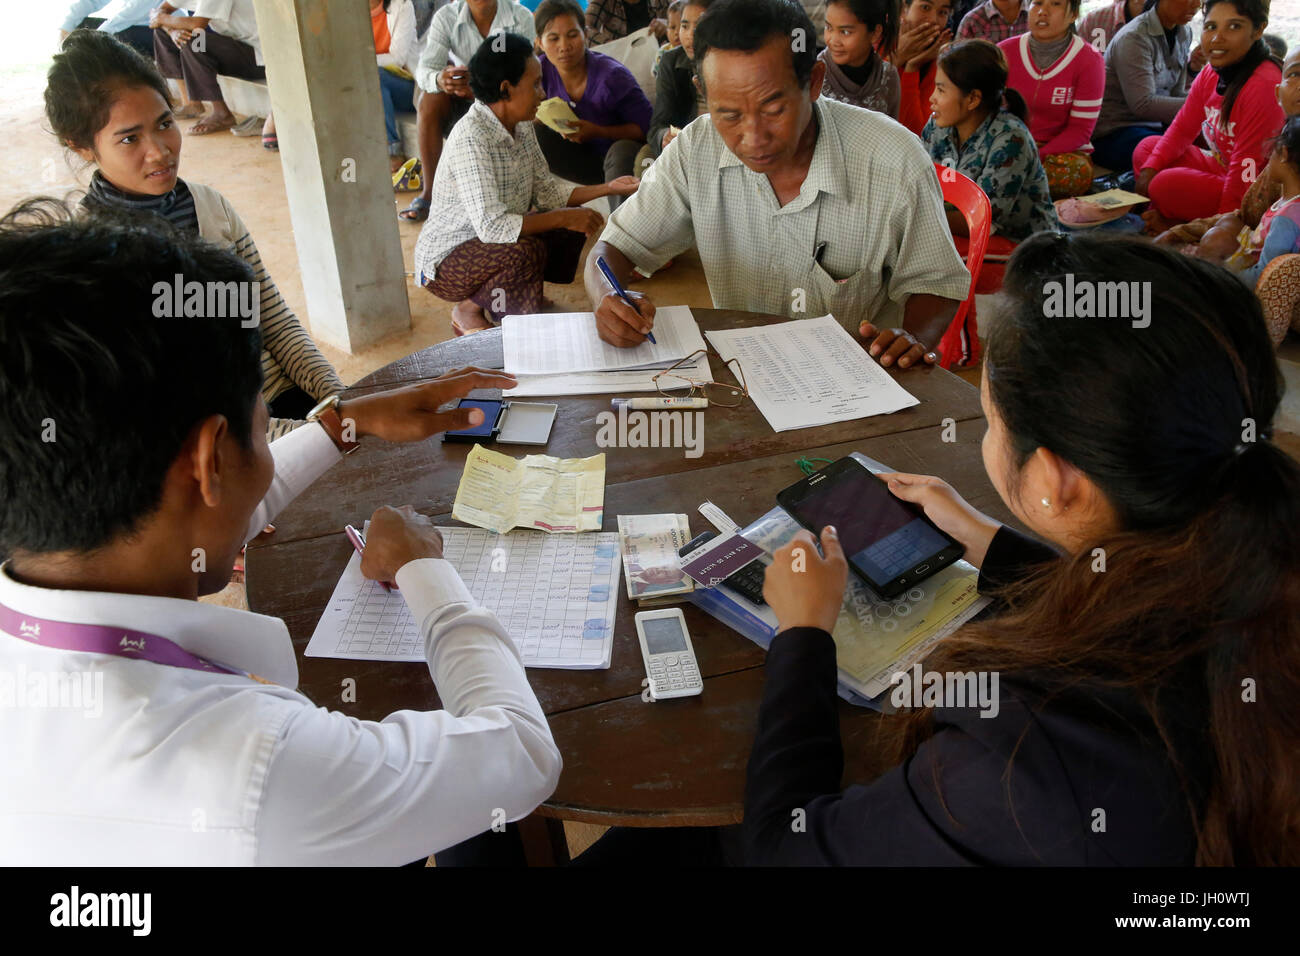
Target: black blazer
<point>961,799</point>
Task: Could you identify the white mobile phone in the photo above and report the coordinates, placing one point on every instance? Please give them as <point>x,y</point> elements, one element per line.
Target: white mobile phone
<point>669,657</point>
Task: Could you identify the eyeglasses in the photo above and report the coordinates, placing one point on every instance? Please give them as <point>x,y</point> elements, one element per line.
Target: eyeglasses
<point>678,382</point>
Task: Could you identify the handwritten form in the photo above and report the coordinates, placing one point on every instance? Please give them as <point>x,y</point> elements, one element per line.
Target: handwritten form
<point>498,492</point>
<point>810,372</point>
<point>556,596</point>
<point>567,342</point>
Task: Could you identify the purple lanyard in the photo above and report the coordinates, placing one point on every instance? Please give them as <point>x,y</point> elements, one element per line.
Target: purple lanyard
<point>100,639</point>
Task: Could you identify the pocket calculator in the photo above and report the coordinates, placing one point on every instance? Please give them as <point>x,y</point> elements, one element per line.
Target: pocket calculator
<point>668,654</point>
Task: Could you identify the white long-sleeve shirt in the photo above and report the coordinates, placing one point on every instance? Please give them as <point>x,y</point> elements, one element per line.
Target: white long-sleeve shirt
<point>146,764</point>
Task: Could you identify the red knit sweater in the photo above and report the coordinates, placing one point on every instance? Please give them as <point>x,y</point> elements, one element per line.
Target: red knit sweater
<point>1064,99</point>
<point>1240,144</point>
<point>914,98</point>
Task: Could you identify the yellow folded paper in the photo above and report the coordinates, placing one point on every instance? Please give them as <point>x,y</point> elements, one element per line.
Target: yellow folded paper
<point>557,114</point>
<point>498,492</point>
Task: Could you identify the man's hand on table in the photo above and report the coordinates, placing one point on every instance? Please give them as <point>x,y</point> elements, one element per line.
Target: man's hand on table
<point>896,345</point>
<point>410,413</point>
<point>619,324</point>
<point>398,536</point>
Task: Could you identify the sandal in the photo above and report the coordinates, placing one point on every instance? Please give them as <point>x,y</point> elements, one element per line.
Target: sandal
<point>206,126</point>
<point>417,211</point>
<point>271,142</point>
<point>407,178</point>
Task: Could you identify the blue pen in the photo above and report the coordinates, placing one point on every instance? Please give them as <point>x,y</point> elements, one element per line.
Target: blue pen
<point>608,273</point>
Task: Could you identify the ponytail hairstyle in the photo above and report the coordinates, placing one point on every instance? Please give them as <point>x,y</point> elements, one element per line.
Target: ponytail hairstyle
<point>1240,72</point>
<point>979,65</point>
<point>1197,615</point>
<point>84,81</point>
<point>885,14</point>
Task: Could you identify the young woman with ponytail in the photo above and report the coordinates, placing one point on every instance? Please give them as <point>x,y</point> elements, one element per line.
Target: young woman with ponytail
<point>1147,638</point>
<point>1231,103</point>
<point>978,127</point>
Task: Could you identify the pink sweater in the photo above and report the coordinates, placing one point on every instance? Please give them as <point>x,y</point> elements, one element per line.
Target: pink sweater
<point>1240,145</point>
<point>1064,100</point>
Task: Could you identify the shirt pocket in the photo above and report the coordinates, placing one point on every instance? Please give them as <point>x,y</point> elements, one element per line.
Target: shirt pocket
<point>854,296</point>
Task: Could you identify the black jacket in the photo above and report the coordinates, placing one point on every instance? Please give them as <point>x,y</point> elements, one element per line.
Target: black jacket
<point>1078,753</point>
<point>674,96</point>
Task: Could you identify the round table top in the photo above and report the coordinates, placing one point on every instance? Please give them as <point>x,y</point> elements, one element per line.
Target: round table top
<point>670,763</point>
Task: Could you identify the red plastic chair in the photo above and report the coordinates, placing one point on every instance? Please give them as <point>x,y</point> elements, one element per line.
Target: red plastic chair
<point>960,344</point>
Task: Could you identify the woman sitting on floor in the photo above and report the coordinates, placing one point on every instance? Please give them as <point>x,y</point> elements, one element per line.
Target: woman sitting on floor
<point>613,112</point>
<point>1231,103</point>
<point>483,247</point>
<point>1062,79</point>
<point>112,108</point>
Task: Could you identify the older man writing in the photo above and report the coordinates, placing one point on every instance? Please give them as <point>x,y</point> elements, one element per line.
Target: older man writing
<point>798,205</point>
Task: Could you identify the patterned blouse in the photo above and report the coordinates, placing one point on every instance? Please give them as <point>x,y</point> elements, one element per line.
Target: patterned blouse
<point>607,19</point>
<point>1001,158</point>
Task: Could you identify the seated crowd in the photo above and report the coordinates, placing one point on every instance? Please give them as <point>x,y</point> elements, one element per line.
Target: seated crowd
<point>818,166</point>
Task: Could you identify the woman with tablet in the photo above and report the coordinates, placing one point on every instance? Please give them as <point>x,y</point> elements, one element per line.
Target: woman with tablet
<point>1147,638</point>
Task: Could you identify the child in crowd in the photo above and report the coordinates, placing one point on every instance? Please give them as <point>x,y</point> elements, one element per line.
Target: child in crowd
<point>674,33</point>
<point>1062,78</point>
<point>1279,227</point>
<point>922,34</point>
<point>1232,105</point>
<point>855,72</point>
<point>112,108</point>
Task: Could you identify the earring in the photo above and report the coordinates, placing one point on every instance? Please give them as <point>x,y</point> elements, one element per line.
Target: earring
<point>1047,503</point>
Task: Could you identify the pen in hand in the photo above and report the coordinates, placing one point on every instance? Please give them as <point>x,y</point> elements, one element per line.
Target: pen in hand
<point>359,542</point>
<point>617,286</point>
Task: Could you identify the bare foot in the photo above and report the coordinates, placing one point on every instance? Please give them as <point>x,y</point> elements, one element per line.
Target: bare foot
<point>1155,223</point>
<point>395,163</point>
<point>468,317</point>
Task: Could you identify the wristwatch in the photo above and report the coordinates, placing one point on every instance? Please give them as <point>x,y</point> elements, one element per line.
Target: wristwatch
<point>327,413</point>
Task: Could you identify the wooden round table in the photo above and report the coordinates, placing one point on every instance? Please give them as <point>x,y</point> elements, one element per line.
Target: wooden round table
<point>626,762</point>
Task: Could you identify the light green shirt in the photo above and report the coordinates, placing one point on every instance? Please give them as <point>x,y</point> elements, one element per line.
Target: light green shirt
<point>871,195</point>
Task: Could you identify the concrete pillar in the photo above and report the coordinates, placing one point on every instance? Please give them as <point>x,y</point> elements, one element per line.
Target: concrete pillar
<point>324,85</point>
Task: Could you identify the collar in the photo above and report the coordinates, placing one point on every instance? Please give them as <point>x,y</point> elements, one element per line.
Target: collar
<point>991,10</point>
<point>488,122</point>
<point>466,17</point>
<point>827,171</point>
<point>1151,24</point>
<point>980,131</point>
<point>241,639</point>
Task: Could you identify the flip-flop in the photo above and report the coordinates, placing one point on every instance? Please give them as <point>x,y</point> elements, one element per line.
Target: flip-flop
<point>418,209</point>
<point>458,330</point>
<point>203,127</point>
<point>270,141</point>
<point>407,178</point>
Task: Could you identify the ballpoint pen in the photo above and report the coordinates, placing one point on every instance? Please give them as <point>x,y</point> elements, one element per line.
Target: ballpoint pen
<point>608,273</point>
<point>359,542</point>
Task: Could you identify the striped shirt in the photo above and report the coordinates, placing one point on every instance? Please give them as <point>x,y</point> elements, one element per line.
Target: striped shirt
<point>866,231</point>
<point>289,356</point>
<point>986,22</point>
<point>1064,98</point>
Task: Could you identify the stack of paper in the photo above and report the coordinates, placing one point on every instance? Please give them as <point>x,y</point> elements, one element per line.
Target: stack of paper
<point>555,595</point>
<point>810,372</point>
<point>650,564</point>
<point>562,354</point>
<point>498,492</point>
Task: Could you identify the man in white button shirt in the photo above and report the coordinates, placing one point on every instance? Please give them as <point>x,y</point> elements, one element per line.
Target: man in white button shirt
<point>134,467</point>
<point>219,36</point>
<point>455,34</point>
<point>798,205</point>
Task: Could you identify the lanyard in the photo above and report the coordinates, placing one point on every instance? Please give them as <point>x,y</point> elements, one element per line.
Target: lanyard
<point>117,641</point>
